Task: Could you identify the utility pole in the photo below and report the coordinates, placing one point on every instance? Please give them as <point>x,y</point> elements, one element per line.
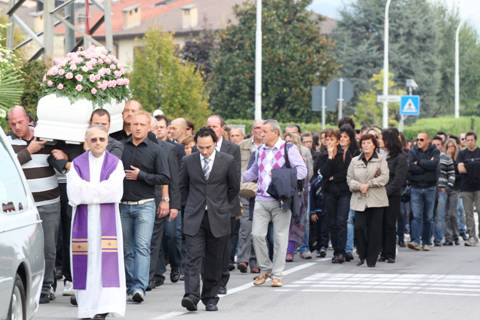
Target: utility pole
<point>385,65</point>
<point>258,64</point>
<point>457,70</point>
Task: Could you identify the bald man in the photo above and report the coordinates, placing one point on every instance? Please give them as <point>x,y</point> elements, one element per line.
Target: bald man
<point>131,107</point>
<point>36,159</point>
<point>178,130</point>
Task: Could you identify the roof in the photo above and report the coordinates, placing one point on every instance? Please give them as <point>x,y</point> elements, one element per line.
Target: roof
<point>167,14</point>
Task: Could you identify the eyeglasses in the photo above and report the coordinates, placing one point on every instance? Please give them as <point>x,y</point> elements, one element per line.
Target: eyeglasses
<point>420,139</point>
<point>101,139</point>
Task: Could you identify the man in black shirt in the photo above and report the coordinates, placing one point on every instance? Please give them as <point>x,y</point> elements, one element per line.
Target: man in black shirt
<point>131,107</point>
<point>145,167</point>
<point>469,168</point>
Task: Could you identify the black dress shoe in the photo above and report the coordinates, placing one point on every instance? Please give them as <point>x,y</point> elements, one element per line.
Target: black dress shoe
<point>100,316</point>
<point>73,301</point>
<point>151,285</point>
<point>159,281</point>
<point>44,298</point>
<point>222,290</point>
<point>348,256</point>
<point>448,243</point>
<point>339,258</point>
<point>174,276</point>
<point>390,260</point>
<point>322,253</point>
<point>231,266</point>
<point>401,244</point>
<point>189,303</point>
<point>382,259</point>
<point>359,263</point>
<point>211,307</point>
<point>371,265</point>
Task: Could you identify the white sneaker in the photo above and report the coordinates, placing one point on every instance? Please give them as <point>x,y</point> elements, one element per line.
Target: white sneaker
<point>68,288</point>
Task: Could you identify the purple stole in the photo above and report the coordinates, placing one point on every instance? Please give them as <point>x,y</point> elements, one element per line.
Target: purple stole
<point>110,272</point>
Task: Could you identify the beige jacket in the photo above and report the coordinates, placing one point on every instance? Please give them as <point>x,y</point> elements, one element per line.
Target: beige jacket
<point>376,175</point>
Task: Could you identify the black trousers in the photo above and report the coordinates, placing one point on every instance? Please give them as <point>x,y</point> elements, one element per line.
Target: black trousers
<point>368,233</point>
<point>230,250</point>
<point>63,244</point>
<point>392,212</point>
<point>204,255</point>
<point>337,207</point>
<point>319,236</point>
<point>156,245</point>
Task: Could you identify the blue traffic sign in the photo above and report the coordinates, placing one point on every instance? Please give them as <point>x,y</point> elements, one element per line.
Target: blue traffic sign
<point>410,105</point>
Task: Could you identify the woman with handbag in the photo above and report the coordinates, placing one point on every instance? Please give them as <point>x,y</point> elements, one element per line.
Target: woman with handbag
<point>367,177</point>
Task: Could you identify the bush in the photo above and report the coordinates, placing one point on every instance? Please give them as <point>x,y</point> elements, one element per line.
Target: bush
<point>449,125</point>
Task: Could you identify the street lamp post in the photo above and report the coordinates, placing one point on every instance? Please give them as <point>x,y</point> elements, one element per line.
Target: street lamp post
<point>457,70</point>
<point>385,65</point>
<point>258,64</point>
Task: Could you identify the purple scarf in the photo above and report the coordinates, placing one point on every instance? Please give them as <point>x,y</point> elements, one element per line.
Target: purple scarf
<point>110,272</point>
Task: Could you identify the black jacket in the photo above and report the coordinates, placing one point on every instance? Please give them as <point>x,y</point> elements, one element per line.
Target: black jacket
<point>334,171</point>
<point>422,167</point>
<point>219,193</point>
<point>397,166</point>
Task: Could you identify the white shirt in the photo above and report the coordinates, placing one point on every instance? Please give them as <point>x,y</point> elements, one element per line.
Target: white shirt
<point>219,144</point>
<point>210,163</point>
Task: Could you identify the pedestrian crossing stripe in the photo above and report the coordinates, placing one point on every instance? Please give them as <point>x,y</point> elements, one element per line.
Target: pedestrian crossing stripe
<point>422,284</point>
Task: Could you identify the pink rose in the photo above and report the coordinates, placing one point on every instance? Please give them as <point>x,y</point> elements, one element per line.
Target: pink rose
<point>69,75</point>
<point>113,67</point>
<point>79,77</point>
<point>73,67</point>
<point>92,78</point>
<point>93,91</point>
<point>61,72</point>
<point>97,77</point>
<point>79,87</point>
<point>117,74</point>
<point>85,69</point>
<point>60,86</point>
<point>50,83</point>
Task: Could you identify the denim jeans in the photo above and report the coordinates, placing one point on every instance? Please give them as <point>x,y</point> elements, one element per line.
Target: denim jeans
<point>137,226</point>
<point>442,199</point>
<point>462,228</point>
<point>423,203</point>
<point>350,231</point>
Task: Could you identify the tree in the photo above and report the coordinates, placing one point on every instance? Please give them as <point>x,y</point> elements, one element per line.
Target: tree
<point>295,57</point>
<point>161,80</point>
<point>414,45</point>
<point>33,73</point>
<point>200,50</point>
<point>368,111</point>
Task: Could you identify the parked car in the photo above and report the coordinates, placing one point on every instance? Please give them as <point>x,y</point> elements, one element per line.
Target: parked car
<point>21,241</point>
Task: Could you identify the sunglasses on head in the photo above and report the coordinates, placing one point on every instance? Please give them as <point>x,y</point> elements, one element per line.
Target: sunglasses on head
<point>420,139</point>
<point>101,139</point>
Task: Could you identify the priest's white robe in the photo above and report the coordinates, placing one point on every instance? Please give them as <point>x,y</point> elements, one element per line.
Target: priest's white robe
<point>96,299</point>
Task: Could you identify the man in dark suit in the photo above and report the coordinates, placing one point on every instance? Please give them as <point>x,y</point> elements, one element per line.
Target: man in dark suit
<point>209,184</point>
<point>217,124</point>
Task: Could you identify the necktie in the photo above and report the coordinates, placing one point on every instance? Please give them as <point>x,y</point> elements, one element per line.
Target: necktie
<point>205,168</point>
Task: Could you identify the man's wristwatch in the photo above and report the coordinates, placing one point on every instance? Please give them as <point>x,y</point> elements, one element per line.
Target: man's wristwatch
<point>166,199</point>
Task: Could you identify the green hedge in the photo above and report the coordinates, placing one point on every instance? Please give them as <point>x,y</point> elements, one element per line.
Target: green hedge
<point>449,125</point>
<point>430,125</point>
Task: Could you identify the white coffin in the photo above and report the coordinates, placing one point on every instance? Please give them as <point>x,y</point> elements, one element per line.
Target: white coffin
<point>59,119</point>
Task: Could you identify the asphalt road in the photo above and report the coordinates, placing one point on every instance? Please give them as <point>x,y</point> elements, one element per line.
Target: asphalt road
<point>441,284</point>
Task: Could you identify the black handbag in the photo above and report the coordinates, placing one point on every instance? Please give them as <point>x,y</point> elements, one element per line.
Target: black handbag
<point>284,185</point>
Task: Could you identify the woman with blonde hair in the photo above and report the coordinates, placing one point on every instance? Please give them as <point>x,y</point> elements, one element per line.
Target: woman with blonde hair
<point>451,227</point>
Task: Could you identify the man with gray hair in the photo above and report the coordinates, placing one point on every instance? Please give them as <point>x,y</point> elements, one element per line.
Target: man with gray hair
<point>270,156</point>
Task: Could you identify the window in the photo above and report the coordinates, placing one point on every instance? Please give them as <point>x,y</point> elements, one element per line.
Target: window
<point>12,192</point>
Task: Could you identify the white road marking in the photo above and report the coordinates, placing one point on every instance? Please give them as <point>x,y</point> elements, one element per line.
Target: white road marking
<point>238,289</point>
<point>424,284</point>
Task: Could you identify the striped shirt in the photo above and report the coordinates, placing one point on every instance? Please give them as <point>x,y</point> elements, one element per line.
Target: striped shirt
<point>39,173</point>
<point>446,172</point>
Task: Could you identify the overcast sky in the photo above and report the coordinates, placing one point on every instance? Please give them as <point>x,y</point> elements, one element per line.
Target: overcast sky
<point>469,9</point>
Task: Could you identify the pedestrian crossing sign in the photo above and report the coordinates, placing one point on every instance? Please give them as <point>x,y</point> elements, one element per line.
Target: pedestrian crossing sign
<point>410,105</point>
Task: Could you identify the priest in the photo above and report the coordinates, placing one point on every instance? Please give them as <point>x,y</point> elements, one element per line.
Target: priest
<point>95,188</point>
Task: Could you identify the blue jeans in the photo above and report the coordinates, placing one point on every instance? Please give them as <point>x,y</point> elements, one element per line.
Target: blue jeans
<point>462,228</point>
<point>423,203</point>
<point>440,216</point>
<point>137,225</point>
<point>350,231</point>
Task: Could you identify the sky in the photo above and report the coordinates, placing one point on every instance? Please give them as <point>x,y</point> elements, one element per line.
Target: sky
<point>469,9</point>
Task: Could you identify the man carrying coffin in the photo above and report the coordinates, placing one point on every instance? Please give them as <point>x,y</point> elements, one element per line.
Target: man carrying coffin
<point>95,188</point>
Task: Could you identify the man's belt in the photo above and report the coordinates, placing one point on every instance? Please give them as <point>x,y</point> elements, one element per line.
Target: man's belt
<point>143,201</point>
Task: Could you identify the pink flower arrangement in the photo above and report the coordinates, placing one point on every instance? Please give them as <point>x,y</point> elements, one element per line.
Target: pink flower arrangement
<point>91,73</point>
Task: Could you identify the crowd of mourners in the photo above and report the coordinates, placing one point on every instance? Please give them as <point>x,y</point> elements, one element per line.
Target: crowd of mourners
<point>195,205</point>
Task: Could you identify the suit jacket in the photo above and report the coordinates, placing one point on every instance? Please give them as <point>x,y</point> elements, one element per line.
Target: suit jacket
<point>173,166</point>
<point>219,193</point>
<point>233,150</point>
